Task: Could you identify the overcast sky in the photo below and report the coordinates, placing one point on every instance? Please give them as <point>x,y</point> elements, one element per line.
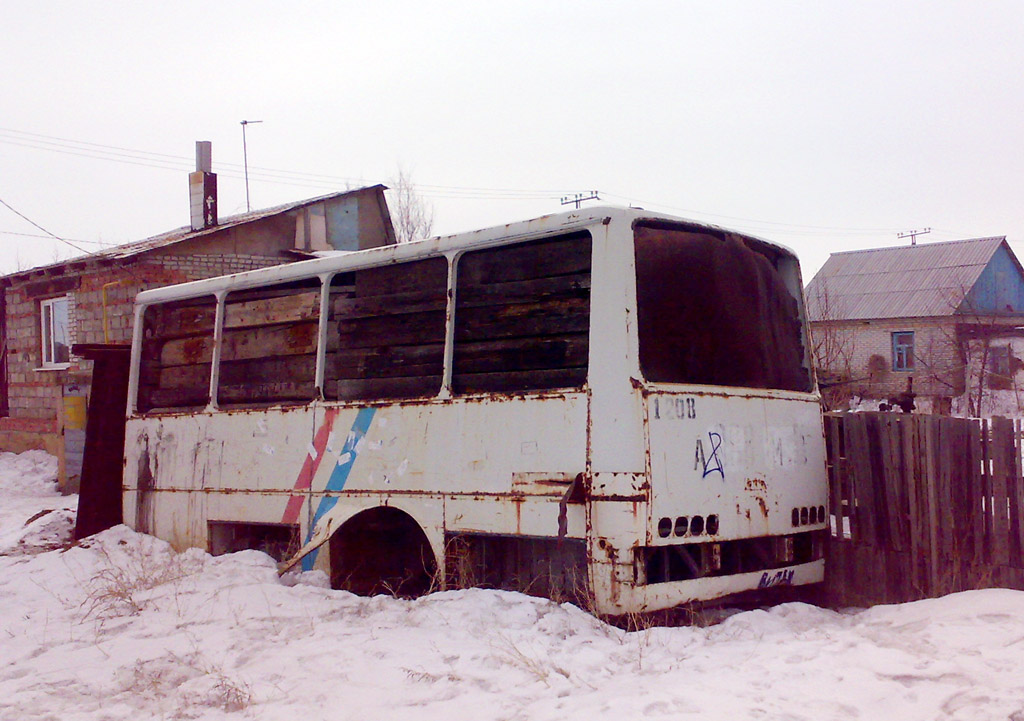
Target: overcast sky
<point>825,126</point>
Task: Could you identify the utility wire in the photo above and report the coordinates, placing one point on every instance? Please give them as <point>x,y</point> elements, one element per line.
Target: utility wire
<point>64,240</point>
<point>76,240</point>
<point>35,224</point>
<point>748,220</point>
<point>164,161</point>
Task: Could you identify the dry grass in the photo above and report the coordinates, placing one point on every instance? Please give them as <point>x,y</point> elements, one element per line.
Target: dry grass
<point>119,588</point>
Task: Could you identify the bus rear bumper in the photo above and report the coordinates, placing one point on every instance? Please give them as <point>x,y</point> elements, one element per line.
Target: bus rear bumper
<point>660,596</point>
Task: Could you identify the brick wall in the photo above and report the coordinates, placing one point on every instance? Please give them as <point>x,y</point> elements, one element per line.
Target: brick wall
<point>36,395</point>
<point>867,357</point>
<point>196,267</point>
<point>941,348</point>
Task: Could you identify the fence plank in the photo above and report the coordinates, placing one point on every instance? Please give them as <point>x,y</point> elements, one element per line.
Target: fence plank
<point>911,478</point>
<point>949,577</point>
<point>963,509</point>
<point>1000,469</point>
<point>890,479</point>
<point>837,470</point>
<point>1016,499</point>
<point>972,493</point>
<point>986,491</point>
<point>858,455</point>
<point>930,478</point>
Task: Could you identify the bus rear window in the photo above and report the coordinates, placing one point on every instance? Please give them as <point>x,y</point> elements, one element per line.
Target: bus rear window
<point>714,309</point>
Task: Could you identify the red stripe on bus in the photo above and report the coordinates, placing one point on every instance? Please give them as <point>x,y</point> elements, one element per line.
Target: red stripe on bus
<point>309,467</point>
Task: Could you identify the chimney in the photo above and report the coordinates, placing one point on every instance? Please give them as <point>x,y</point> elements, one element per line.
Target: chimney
<point>202,186</point>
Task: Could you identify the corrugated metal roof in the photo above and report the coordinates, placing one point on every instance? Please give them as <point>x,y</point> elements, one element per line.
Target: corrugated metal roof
<point>909,281</point>
<point>156,242</point>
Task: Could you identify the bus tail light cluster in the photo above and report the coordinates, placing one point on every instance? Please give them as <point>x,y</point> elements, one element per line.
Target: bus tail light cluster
<point>688,526</point>
<point>808,515</point>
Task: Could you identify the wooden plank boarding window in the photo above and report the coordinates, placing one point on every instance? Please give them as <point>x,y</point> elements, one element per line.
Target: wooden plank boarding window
<point>386,332</point>
<point>269,348</point>
<point>522,316</point>
<point>177,349</point>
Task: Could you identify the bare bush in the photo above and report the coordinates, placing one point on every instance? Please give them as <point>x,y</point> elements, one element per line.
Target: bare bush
<point>118,588</point>
<point>412,216</point>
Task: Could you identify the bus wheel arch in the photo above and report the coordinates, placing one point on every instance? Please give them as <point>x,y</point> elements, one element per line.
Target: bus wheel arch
<point>382,550</point>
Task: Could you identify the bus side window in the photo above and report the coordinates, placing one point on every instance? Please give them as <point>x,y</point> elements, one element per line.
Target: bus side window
<point>522,317</point>
<point>386,332</point>
<point>177,347</point>
<point>269,349</point>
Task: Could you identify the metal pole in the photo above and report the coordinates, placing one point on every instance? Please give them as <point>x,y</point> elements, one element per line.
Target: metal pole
<point>912,234</point>
<point>579,198</point>
<point>245,161</point>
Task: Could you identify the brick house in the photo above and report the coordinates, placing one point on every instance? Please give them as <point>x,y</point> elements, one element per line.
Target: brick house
<point>88,301</point>
<point>925,319</point>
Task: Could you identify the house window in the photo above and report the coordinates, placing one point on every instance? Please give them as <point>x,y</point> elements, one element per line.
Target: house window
<point>999,366</point>
<point>56,332</point>
<point>903,351</point>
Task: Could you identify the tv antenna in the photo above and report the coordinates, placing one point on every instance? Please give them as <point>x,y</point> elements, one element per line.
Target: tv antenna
<point>912,234</point>
<point>245,161</point>
<point>579,198</point>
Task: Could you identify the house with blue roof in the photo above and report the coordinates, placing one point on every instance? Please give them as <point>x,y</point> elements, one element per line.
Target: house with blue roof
<point>940,325</point>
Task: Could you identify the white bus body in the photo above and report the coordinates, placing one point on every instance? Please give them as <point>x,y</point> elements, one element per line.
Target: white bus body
<point>535,437</point>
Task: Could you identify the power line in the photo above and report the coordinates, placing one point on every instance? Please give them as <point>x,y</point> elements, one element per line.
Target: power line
<point>62,240</point>
<point>76,240</point>
<point>164,161</point>
<point>46,138</point>
<point>686,211</point>
<point>35,224</point>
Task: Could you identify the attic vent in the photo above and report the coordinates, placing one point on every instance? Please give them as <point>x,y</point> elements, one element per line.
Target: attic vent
<point>202,186</point>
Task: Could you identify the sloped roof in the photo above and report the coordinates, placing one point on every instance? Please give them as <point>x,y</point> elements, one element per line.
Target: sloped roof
<point>178,235</point>
<point>910,281</point>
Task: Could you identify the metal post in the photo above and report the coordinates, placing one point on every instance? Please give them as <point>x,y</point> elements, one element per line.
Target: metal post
<point>579,198</point>
<point>245,161</point>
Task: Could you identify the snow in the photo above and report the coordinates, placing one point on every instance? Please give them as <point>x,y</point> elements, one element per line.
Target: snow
<point>28,490</point>
<point>121,627</point>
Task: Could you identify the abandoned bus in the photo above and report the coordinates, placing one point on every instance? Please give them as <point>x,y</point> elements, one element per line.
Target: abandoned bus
<point>609,404</point>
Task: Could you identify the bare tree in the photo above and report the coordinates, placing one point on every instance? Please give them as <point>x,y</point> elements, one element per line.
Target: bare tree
<point>832,351</point>
<point>960,359</point>
<point>412,216</point>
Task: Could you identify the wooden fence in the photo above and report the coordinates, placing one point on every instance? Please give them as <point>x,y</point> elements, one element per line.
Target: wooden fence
<point>923,506</point>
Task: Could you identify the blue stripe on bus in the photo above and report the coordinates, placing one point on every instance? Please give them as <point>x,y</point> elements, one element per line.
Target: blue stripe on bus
<point>339,476</point>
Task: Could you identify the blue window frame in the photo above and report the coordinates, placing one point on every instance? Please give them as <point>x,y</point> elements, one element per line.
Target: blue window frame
<point>903,351</point>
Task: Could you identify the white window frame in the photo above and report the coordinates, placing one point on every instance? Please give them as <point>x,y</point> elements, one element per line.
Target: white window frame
<point>46,334</point>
